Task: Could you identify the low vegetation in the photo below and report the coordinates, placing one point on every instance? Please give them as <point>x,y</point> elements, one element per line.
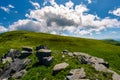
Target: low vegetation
<point>16,39</point>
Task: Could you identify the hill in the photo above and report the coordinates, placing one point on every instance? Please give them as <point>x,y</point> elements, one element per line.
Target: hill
<point>16,39</point>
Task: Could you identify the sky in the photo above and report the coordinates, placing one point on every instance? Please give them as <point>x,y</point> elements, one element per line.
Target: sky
<point>98,19</point>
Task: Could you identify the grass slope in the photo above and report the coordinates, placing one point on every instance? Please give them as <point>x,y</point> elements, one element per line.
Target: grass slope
<point>17,39</point>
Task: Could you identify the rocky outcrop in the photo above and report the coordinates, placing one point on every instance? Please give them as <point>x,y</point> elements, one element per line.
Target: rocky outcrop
<point>98,63</point>
<point>76,74</point>
<point>44,55</point>
<point>26,51</point>
<point>58,67</point>
<point>16,65</point>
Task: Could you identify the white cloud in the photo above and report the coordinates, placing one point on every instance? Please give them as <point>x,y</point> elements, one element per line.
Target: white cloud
<point>3,29</point>
<point>64,19</point>
<point>115,12</point>
<point>5,9</point>
<point>89,1</point>
<point>35,4</point>
<point>11,6</point>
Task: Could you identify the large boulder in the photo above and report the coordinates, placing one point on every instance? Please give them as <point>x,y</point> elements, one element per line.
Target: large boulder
<point>26,51</point>
<point>76,74</point>
<point>26,48</point>
<point>58,67</point>
<point>14,67</point>
<point>41,47</point>
<point>7,59</point>
<point>44,55</point>
<point>13,53</point>
<point>47,60</point>
<point>98,63</point>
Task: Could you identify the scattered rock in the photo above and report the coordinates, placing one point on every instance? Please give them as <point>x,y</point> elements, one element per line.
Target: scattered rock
<point>98,63</point>
<point>26,48</point>
<point>76,74</point>
<point>41,47</point>
<point>70,54</point>
<point>47,60</point>
<point>26,51</point>
<point>19,74</point>
<point>7,59</point>
<point>14,67</point>
<point>59,67</point>
<point>13,53</point>
<point>44,55</point>
<point>65,51</point>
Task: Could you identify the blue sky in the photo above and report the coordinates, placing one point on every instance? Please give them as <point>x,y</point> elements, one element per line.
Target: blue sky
<point>97,19</point>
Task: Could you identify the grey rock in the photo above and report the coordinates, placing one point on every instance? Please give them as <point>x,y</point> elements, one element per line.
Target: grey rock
<point>26,48</point>
<point>61,66</point>
<point>76,74</point>
<point>13,53</point>
<point>41,47</point>
<point>65,51</point>
<point>7,59</point>
<point>14,67</point>
<point>19,74</point>
<point>47,60</point>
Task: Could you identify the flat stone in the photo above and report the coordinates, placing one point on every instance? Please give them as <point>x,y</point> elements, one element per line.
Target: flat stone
<point>60,66</point>
<point>76,74</point>
<point>7,59</point>
<point>26,48</point>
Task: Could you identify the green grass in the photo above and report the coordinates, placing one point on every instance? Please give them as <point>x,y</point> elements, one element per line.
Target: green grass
<point>17,39</point>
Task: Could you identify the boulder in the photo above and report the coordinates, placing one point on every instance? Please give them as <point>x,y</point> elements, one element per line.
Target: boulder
<point>26,48</point>
<point>19,74</point>
<point>59,67</point>
<point>70,54</point>
<point>14,67</point>
<point>7,59</point>
<point>44,55</point>
<point>65,51</point>
<point>13,53</point>
<point>76,74</point>
<point>99,67</point>
<point>41,47</point>
<point>47,60</point>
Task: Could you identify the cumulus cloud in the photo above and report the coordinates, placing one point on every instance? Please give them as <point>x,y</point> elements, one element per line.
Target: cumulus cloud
<point>115,12</point>
<point>35,4</point>
<point>7,8</point>
<point>3,29</point>
<point>64,19</point>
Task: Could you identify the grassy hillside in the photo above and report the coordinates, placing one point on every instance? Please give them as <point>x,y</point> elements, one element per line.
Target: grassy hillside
<point>17,39</point>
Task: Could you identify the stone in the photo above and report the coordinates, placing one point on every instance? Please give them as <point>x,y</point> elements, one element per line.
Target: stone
<point>13,53</point>
<point>15,66</point>
<point>47,60</point>
<point>65,51</point>
<point>99,67</point>
<point>61,66</point>
<point>26,48</point>
<point>76,74</point>
<point>41,47</point>
<point>43,53</point>
<point>7,59</point>
<point>19,74</point>
<point>70,54</point>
